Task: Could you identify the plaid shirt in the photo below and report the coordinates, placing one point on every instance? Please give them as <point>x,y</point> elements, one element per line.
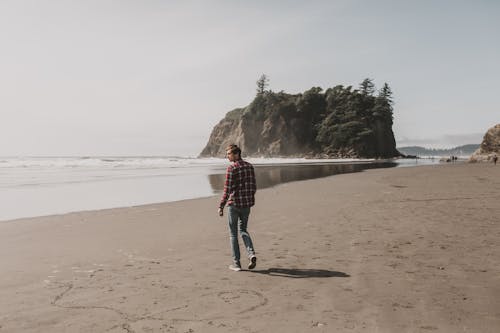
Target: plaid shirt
<point>240,185</point>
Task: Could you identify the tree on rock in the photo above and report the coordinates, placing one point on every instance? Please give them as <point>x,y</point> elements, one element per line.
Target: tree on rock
<point>262,84</point>
<point>367,87</point>
<point>386,93</point>
<point>383,104</point>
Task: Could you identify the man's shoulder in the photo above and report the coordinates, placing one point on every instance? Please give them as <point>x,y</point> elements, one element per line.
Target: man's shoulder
<point>245,163</point>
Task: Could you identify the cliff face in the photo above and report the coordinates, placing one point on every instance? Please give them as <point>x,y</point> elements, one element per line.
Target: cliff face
<point>489,147</point>
<point>270,137</point>
<point>312,124</point>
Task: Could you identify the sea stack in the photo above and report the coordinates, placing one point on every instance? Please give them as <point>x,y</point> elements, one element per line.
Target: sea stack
<point>489,147</point>
<point>337,123</point>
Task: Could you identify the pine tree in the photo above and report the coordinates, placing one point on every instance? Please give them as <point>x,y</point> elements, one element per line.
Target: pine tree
<point>367,87</point>
<point>262,84</point>
<point>383,105</point>
<point>386,93</point>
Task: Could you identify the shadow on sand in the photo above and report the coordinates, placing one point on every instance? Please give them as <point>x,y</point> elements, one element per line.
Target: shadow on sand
<point>300,273</point>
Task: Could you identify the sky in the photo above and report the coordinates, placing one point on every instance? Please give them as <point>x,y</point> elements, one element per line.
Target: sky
<point>152,77</point>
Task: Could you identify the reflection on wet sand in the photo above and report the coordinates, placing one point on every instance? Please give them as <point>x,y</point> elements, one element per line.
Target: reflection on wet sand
<point>271,175</point>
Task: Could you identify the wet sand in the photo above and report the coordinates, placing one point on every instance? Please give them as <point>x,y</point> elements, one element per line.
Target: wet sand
<point>64,189</point>
<point>385,250</point>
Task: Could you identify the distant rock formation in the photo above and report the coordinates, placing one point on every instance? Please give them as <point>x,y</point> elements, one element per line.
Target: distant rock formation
<point>465,150</point>
<point>339,123</point>
<point>489,147</point>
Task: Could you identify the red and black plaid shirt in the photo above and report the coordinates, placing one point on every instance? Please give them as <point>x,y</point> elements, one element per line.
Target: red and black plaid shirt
<point>240,185</point>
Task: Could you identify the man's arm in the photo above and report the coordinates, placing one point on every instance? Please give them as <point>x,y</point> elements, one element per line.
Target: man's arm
<point>228,184</point>
<point>254,182</point>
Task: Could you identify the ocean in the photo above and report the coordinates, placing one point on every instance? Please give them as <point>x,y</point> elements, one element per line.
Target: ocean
<point>38,186</point>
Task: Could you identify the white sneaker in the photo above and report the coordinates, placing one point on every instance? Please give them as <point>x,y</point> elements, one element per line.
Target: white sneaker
<point>235,268</point>
<point>253,262</point>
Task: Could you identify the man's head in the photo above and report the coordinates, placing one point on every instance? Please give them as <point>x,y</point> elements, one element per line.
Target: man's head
<point>233,153</point>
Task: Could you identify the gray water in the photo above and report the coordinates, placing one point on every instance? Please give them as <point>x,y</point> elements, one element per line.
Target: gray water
<point>46,186</point>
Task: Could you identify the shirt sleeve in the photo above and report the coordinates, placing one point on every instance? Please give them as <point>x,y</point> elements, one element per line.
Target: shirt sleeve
<point>254,182</point>
<point>228,184</point>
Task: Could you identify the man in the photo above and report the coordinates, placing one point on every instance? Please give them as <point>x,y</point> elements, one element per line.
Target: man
<point>239,195</point>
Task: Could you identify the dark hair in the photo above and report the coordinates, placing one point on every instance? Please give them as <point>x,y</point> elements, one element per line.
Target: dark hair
<point>234,149</point>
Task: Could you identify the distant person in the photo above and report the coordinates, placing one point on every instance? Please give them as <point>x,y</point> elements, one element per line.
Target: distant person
<point>495,159</point>
<point>239,195</point>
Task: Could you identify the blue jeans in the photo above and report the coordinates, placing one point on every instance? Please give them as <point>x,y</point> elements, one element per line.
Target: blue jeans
<point>238,219</point>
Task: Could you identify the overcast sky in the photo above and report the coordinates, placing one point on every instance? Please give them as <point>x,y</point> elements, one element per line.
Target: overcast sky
<point>153,77</point>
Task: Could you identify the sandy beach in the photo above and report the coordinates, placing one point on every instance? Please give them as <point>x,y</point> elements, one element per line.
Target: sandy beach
<point>388,250</point>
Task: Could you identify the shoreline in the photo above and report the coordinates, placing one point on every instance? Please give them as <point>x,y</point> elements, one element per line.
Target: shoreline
<point>146,204</point>
<point>55,191</point>
<point>405,249</point>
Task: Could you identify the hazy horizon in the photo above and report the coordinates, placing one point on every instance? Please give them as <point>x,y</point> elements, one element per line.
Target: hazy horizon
<point>134,78</point>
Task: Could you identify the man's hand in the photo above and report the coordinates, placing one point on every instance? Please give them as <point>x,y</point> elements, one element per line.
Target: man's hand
<point>221,212</point>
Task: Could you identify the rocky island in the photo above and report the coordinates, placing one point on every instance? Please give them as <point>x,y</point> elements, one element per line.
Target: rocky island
<point>489,147</point>
<point>340,122</point>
